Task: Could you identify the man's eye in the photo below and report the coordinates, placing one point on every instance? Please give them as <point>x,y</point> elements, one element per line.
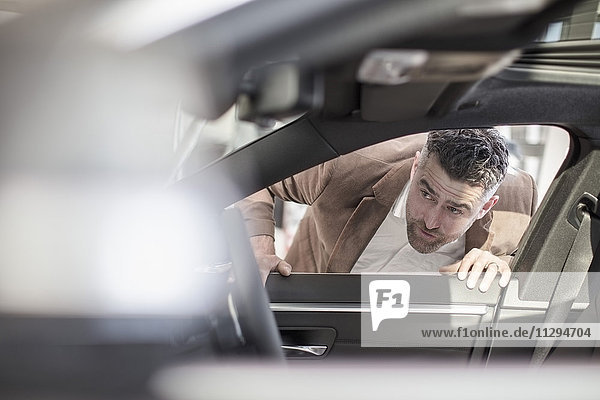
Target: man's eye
<point>455,211</point>
<point>426,195</point>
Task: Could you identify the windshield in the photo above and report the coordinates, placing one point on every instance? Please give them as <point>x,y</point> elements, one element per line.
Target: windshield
<point>198,142</point>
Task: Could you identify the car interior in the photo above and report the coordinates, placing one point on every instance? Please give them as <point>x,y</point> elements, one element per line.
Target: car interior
<point>546,83</point>
<point>321,80</point>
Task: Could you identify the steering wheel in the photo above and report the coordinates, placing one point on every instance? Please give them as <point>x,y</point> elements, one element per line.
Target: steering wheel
<point>256,320</point>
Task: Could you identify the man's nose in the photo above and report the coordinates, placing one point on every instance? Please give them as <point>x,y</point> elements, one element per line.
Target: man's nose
<point>432,218</point>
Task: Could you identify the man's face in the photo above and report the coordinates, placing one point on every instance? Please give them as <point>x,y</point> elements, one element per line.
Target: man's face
<point>440,209</point>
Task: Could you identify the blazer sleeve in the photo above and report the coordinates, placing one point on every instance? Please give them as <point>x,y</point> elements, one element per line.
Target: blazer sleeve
<point>304,188</point>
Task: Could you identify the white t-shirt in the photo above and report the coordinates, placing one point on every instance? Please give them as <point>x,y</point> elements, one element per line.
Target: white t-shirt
<point>389,250</point>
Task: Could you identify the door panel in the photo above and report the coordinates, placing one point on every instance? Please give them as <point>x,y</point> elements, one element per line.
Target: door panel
<point>333,311</point>
<point>306,305</point>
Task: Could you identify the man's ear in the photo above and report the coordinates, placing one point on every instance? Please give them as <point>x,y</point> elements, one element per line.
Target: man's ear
<point>488,206</point>
<point>413,169</point>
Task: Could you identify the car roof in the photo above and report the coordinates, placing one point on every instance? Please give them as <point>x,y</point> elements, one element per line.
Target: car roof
<point>502,77</point>
<point>330,38</point>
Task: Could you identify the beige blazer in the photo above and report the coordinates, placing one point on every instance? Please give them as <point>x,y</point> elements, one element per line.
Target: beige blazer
<point>351,195</point>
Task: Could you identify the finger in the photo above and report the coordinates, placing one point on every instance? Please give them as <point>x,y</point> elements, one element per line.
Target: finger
<point>488,278</point>
<point>505,278</point>
<point>266,264</point>
<point>283,268</point>
<point>272,263</point>
<point>476,271</point>
<point>468,260</point>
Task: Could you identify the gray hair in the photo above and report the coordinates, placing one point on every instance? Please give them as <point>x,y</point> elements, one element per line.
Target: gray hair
<point>476,156</point>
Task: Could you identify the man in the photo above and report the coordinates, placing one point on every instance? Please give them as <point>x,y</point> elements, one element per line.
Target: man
<point>403,205</point>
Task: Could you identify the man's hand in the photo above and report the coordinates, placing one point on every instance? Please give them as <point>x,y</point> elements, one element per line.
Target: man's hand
<point>476,262</point>
<point>264,252</point>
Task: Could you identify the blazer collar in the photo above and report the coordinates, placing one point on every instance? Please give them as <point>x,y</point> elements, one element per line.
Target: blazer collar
<point>388,188</point>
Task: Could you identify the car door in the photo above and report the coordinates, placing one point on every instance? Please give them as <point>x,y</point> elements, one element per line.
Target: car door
<point>327,316</point>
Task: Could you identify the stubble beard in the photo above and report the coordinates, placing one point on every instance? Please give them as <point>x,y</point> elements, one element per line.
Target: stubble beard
<point>420,244</point>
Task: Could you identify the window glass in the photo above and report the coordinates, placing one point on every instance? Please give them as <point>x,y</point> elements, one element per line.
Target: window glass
<point>538,150</point>
<point>199,142</point>
<point>581,24</point>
